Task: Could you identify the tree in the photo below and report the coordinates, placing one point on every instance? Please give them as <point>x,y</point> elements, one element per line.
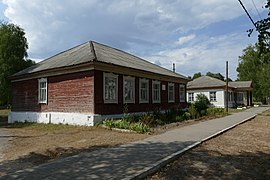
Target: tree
<point>252,66</point>
<point>262,26</point>
<point>13,54</point>
<point>215,75</point>
<point>197,75</point>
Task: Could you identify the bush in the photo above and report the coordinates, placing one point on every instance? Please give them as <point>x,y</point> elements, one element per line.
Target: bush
<point>186,116</point>
<point>212,111</point>
<point>147,119</point>
<point>201,104</point>
<point>192,111</point>
<point>257,103</point>
<point>123,124</point>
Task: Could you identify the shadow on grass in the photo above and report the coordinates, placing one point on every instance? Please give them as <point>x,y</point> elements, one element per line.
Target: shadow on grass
<point>204,164</point>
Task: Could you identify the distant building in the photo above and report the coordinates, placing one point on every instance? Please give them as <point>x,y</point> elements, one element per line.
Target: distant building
<point>90,82</point>
<point>240,92</point>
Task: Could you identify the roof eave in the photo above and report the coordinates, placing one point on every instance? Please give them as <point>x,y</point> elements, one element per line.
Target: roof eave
<point>53,72</point>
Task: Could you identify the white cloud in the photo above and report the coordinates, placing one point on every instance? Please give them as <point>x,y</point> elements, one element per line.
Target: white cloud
<point>209,54</point>
<point>185,39</point>
<point>140,27</point>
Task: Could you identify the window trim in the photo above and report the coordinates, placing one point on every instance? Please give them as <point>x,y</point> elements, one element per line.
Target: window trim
<point>215,97</point>
<point>110,75</point>
<point>184,93</point>
<point>159,92</point>
<point>133,89</point>
<point>147,91</point>
<point>192,97</point>
<point>171,100</point>
<point>42,80</point>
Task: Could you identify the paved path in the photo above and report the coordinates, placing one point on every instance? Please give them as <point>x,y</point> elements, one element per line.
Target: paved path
<point>128,161</point>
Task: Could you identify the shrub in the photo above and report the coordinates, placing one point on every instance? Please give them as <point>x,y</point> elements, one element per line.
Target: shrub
<point>123,124</point>
<point>212,111</point>
<point>186,116</point>
<point>201,104</point>
<point>178,118</point>
<point>192,111</point>
<point>147,119</point>
<point>257,103</point>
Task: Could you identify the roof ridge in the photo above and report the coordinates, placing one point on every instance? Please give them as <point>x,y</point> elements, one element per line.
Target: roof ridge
<point>92,48</point>
<point>150,63</point>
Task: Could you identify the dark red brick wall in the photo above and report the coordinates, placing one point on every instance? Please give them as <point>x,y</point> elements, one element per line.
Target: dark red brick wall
<point>66,93</point>
<point>101,108</point>
<point>77,93</point>
<point>25,96</point>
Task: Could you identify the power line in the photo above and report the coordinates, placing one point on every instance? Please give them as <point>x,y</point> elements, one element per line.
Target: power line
<point>248,14</point>
<point>256,9</point>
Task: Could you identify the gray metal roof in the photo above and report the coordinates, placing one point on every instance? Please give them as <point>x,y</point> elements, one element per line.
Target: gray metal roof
<point>205,82</point>
<point>241,84</point>
<point>93,51</point>
<point>210,82</point>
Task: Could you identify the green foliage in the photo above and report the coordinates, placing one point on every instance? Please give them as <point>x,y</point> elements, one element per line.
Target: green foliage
<point>197,75</point>
<point>262,26</point>
<point>147,119</point>
<point>201,104</point>
<point>13,54</point>
<point>193,112</point>
<point>252,67</point>
<point>257,103</point>
<point>186,116</point>
<point>123,124</point>
<point>215,75</point>
<point>212,111</point>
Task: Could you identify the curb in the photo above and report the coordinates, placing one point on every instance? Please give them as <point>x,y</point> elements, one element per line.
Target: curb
<point>159,164</point>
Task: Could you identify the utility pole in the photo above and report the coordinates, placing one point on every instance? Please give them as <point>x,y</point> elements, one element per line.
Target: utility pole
<point>227,94</point>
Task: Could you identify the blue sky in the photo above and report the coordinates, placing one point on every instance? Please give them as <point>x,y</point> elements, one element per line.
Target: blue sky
<point>198,36</point>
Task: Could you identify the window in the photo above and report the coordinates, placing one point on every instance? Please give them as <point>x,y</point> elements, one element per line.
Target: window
<point>171,92</point>
<point>213,96</point>
<point>182,93</point>
<point>129,89</point>
<point>190,97</point>
<point>156,91</point>
<point>110,87</point>
<point>42,90</point>
<point>144,89</point>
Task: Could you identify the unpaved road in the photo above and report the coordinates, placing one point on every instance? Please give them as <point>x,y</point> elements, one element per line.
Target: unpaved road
<point>240,153</point>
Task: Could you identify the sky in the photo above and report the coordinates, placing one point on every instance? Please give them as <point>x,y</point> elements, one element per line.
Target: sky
<point>198,36</point>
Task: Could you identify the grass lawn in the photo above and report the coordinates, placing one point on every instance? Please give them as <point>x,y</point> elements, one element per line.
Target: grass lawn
<point>4,112</point>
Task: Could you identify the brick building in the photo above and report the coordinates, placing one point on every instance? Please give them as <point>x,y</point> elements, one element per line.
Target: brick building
<point>91,82</point>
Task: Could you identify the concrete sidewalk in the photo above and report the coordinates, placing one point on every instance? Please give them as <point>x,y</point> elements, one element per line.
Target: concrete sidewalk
<point>136,159</point>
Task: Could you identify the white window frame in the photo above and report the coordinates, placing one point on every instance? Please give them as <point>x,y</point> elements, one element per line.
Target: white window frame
<point>191,97</point>
<point>42,91</point>
<point>147,91</point>
<point>132,79</point>
<point>182,99</point>
<point>158,92</point>
<point>173,93</point>
<point>110,75</point>
<point>213,98</point>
